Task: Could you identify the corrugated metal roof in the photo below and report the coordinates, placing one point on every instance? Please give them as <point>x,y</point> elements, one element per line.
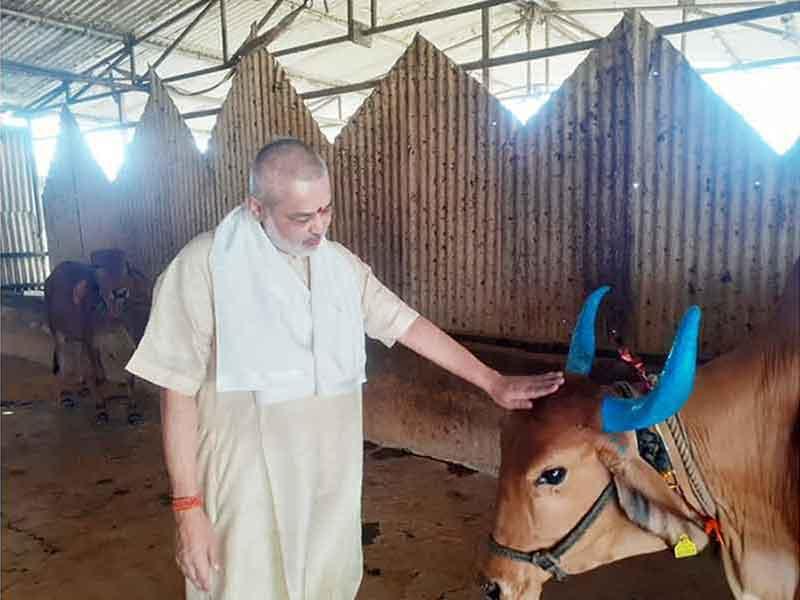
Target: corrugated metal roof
<point>57,46</point>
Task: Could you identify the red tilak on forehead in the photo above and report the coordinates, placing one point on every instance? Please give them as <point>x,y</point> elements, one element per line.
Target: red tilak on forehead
<point>319,211</point>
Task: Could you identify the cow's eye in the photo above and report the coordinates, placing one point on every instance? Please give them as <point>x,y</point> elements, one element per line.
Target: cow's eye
<point>552,476</point>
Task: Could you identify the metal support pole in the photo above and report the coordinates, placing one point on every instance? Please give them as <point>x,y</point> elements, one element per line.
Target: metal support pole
<point>476,38</point>
<point>442,14</point>
<point>209,5</point>
<point>102,73</point>
<point>129,43</point>
<point>351,25</point>
<point>266,17</point>
<point>38,17</point>
<point>506,37</point>
<point>185,12</point>
<point>684,14</point>
<point>773,10</point>
<point>755,26</point>
<point>486,48</point>
<point>322,103</point>
<point>198,73</point>
<point>651,8</point>
<point>74,100</point>
<point>547,60</point>
<point>373,14</point>
<point>529,65</point>
<point>223,25</point>
<point>754,64</point>
<point>312,45</point>
<point>120,107</point>
<point>576,25</point>
<point>12,65</point>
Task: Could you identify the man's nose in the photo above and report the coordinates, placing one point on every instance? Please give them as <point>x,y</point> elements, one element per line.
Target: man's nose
<point>317,226</point>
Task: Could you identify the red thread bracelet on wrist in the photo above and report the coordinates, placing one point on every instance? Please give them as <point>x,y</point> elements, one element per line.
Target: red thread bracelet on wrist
<point>183,503</point>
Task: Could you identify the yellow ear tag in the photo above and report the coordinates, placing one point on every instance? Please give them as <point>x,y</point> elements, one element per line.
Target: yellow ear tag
<point>685,547</point>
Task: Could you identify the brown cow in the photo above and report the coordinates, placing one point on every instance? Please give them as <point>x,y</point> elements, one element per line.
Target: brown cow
<point>83,301</point>
<point>574,492</point>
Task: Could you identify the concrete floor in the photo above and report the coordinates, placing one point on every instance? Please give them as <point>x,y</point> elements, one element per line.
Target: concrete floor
<point>85,516</point>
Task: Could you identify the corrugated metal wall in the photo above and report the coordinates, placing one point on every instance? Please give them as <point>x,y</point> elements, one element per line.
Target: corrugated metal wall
<point>78,216</point>
<point>166,187</point>
<point>23,259</point>
<point>570,230</point>
<point>633,174</point>
<point>418,185</point>
<point>261,105</point>
<point>715,212</point>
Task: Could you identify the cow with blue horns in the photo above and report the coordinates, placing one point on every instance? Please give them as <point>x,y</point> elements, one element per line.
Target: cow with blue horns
<point>594,474</point>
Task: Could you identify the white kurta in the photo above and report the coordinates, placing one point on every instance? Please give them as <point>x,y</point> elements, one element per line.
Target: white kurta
<point>281,483</point>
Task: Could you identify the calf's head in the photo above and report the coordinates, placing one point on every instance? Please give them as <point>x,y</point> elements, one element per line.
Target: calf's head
<point>573,492</point>
<point>117,280</point>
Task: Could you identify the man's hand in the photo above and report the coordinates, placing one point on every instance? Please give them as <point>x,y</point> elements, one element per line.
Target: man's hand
<point>517,392</point>
<point>196,547</point>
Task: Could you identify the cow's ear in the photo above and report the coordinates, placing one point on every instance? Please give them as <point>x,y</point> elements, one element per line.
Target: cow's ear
<point>79,291</point>
<point>644,496</point>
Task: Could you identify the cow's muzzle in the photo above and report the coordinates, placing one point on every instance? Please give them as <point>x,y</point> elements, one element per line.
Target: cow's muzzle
<point>550,559</point>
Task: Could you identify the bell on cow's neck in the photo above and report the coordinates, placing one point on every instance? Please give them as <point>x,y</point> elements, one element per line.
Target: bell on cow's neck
<point>685,547</point>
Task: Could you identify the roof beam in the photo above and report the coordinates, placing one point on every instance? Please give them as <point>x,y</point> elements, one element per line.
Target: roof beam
<point>64,76</point>
<point>199,17</point>
<point>655,7</point>
<point>40,18</point>
<point>787,35</point>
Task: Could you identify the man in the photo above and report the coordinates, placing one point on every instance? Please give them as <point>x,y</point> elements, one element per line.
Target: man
<point>257,337</point>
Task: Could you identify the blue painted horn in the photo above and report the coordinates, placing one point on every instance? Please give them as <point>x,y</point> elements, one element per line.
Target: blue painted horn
<point>674,385</point>
<point>582,346</point>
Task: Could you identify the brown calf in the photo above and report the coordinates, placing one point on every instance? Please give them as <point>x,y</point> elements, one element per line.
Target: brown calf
<point>83,301</point>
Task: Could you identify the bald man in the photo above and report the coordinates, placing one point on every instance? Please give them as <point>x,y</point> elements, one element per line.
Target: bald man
<point>257,338</point>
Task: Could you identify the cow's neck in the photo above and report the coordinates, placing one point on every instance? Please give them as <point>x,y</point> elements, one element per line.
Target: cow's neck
<point>740,421</point>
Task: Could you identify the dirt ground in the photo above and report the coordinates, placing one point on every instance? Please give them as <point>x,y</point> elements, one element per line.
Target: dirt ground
<point>85,516</point>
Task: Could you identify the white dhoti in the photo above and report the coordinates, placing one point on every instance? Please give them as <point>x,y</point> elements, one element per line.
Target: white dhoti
<point>281,482</point>
<point>282,486</point>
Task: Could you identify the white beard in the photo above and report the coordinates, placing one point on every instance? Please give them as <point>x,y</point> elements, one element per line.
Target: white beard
<point>283,244</point>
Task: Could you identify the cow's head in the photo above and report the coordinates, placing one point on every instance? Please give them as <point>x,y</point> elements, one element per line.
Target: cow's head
<point>573,492</point>
<point>117,280</point>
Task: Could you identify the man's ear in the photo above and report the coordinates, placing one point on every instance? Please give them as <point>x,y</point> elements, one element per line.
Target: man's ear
<point>255,208</point>
<point>644,495</point>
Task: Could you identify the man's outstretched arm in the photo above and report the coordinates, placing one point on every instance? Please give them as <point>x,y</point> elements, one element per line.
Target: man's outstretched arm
<point>512,392</point>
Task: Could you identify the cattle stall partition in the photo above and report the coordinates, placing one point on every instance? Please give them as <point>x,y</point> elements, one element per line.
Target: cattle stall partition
<point>23,250</point>
<point>634,174</point>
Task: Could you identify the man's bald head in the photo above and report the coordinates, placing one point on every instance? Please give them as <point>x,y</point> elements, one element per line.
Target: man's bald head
<point>279,165</point>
